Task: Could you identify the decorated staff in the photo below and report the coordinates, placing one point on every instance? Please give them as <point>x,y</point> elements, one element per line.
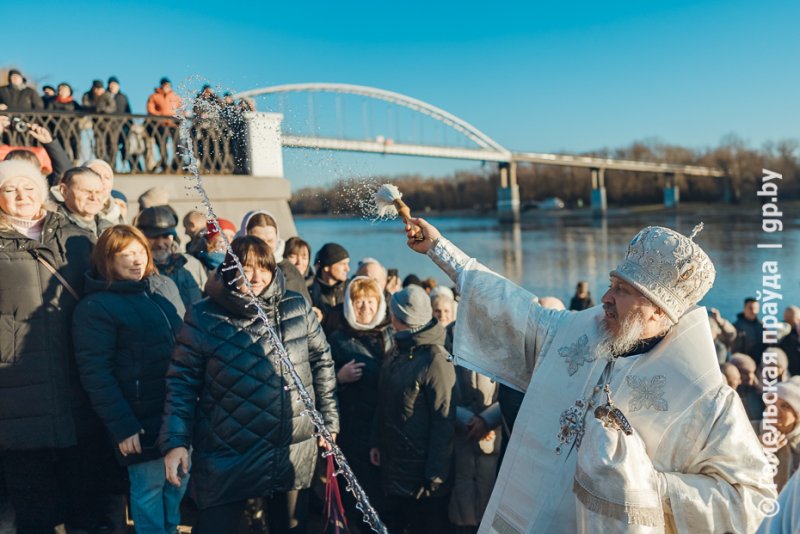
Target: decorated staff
<point>236,276</point>
<point>389,203</point>
<point>691,462</point>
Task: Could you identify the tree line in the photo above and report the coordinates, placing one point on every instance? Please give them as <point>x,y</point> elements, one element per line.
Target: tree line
<point>477,189</point>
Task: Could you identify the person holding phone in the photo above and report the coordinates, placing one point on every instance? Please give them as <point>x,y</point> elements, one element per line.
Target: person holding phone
<point>393,284</point>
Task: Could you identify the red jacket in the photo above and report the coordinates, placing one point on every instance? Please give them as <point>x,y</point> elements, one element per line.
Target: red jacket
<point>163,104</point>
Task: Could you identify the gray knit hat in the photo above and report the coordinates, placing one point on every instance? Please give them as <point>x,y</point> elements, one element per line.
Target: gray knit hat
<point>412,306</point>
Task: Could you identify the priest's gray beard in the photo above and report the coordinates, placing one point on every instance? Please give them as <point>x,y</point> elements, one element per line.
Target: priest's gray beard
<point>623,340</point>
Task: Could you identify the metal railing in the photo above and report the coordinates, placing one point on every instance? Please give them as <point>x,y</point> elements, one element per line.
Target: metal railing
<point>140,144</point>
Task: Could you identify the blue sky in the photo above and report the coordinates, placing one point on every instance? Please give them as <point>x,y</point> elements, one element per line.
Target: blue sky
<point>535,76</point>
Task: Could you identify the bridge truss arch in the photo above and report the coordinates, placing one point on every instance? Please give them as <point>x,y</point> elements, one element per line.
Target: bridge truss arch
<point>489,148</point>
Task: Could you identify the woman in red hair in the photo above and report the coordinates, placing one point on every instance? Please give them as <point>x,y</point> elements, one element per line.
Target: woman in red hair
<point>124,332</point>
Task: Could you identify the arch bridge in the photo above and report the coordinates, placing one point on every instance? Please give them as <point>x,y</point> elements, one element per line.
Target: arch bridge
<point>415,128</point>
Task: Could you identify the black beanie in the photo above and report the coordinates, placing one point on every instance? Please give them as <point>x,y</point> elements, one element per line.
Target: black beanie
<point>411,279</point>
<point>330,254</point>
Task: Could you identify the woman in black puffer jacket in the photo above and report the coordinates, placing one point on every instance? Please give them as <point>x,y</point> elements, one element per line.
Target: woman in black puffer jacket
<point>226,397</point>
<point>124,333</point>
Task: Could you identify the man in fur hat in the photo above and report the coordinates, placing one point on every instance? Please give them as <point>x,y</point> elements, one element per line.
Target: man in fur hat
<point>680,456</point>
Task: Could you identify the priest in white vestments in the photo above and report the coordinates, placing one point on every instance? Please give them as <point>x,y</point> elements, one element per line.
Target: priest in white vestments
<point>690,461</point>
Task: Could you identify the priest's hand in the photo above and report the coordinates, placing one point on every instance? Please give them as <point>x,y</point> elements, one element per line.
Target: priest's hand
<point>428,230</point>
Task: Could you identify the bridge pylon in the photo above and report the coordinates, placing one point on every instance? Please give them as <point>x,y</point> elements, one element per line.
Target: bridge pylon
<point>599,204</point>
<point>508,194</point>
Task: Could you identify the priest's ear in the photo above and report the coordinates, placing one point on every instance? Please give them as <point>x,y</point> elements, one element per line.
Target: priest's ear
<point>656,320</point>
<point>661,318</point>
<point>658,314</point>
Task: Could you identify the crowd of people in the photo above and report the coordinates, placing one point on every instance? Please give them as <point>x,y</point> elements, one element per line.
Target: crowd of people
<point>103,98</point>
<point>217,123</point>
<point>132,364</point>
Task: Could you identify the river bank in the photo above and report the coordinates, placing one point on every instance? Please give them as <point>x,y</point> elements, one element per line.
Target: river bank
<point>745,209</point>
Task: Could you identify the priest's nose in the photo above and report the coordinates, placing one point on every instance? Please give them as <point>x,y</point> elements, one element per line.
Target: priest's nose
<point>607,298</point>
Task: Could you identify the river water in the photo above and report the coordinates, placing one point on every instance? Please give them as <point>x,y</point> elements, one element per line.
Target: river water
<point>548,255</point>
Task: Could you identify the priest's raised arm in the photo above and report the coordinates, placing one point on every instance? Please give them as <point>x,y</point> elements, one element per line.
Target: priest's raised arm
<point>501,329</point>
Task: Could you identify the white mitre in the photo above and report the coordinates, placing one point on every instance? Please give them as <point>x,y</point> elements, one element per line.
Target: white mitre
<point>670,269</point>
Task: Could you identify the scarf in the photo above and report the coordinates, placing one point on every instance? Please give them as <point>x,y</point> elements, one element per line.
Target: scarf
<point>350,314</point>
<point>278,252</point>
<point>63,100</point>
<point>32,229</point>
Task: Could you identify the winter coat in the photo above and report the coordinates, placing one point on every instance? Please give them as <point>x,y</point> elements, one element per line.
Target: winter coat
<point>123,106</point>
<point>748,337</point>
<point>415,421</point>
<point>581,303</point>
<point>790,344</point>
<point>475,468</point>
<point>752,400</point>
<point>510,401</point>
<point>124,333</point>
<point>722,351</point>
<point>309,278</point>
<point>100,224</point>
<point>58,159</point>
<point>24,99</point>
<point>54,105</point>
<point>226,395</point>
<point>188,274</point>
<point>328,299</point>
<point>359,400</point>
<point>294,280</point>
<point>104,103</point>
<point>42,404</point>
<point>160,103</point>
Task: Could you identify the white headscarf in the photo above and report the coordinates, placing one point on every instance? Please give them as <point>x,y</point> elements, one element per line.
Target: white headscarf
<point>278,252</point>
<point>350,314</point>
